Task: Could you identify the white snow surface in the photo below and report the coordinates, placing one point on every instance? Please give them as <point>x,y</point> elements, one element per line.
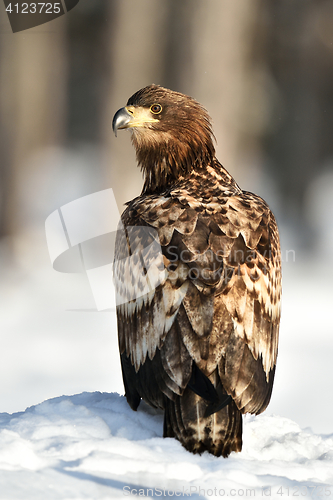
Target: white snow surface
<point>93,446</point>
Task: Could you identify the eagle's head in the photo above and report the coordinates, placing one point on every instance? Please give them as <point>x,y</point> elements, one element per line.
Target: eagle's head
<point>171,133</point>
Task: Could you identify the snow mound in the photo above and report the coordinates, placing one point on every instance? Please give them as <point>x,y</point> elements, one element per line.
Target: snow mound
<point>93,446</point>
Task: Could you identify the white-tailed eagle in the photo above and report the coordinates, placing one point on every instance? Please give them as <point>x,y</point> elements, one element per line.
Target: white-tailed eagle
<point>202,343</point>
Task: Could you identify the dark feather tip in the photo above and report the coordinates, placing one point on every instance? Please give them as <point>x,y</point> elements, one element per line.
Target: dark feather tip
<point>202,386</point>
<point>215,407</point>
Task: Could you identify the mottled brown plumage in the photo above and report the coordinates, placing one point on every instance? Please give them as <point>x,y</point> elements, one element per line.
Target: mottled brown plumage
<point>201,340</point>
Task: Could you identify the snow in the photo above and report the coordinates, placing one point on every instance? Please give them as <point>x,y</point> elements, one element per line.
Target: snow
<point>93,446</point>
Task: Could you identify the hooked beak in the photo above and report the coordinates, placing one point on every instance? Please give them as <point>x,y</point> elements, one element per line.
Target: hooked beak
<point>132,116</point>
<point>121,120</point>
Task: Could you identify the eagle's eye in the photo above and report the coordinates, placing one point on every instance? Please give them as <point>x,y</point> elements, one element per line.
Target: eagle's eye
<point>156,109</point>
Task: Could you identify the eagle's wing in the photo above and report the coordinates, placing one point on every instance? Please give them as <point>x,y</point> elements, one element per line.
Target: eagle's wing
<point>251,298</point>
<point>154,358</point>
<point>215,301</point>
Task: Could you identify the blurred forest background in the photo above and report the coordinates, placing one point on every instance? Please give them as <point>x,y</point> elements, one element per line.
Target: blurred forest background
<point>264,71</point>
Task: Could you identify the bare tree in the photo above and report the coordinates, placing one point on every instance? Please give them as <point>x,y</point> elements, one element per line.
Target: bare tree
<point>32,106</point>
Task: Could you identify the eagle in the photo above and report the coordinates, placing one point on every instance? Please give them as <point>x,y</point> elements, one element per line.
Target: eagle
<point>201,341</point>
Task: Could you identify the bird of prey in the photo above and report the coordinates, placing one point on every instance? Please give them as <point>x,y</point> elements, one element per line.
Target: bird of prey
<point>202,342</point>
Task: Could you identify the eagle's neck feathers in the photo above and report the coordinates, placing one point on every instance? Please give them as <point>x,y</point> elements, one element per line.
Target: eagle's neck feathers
<point>166,158</point>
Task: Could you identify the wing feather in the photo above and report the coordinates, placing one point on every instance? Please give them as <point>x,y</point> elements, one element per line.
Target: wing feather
<point>217,301</point>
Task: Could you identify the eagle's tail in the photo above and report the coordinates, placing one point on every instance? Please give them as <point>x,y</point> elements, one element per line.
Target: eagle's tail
<point>219,433</point>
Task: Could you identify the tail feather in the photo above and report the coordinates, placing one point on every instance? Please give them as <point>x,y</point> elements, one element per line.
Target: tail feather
<point>219,433</point>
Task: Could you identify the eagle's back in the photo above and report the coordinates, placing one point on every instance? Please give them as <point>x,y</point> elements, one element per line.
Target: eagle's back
<point>210,313</point>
